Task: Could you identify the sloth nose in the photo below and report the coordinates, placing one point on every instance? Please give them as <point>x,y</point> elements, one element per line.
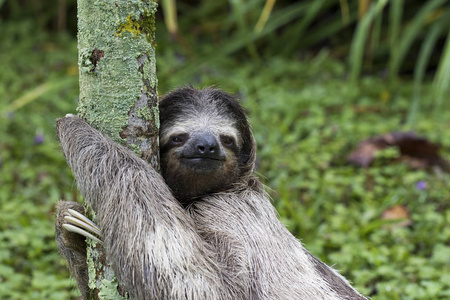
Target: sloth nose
<point>202,149</point>
<point>206,145</point>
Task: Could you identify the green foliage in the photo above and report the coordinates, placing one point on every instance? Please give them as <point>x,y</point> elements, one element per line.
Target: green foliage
<point>306,116</point>
<point>33,172</point>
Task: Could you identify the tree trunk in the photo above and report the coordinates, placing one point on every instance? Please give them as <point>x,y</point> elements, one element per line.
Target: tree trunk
<point>116,58</point>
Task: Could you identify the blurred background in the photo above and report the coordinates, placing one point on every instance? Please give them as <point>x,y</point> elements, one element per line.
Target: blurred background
<point>349,105</point>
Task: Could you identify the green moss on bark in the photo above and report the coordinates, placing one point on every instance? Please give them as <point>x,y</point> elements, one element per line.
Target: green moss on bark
<point>110,86</point>
<point>101,277</point>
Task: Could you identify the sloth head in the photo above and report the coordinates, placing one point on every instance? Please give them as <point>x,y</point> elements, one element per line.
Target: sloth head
<point>206,143</point>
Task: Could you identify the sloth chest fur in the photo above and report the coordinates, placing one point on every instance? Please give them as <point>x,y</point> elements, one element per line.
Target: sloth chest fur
<point>263,253</point>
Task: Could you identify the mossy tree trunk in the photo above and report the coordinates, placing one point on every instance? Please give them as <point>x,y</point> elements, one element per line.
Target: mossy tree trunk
<point>116,57</point>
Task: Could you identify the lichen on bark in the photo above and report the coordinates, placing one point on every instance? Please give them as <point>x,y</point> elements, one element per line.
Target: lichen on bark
<point>117,68</point>
<point>118,94</point>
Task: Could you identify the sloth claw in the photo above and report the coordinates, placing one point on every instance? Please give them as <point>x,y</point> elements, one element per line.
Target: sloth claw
<point>78,223</point>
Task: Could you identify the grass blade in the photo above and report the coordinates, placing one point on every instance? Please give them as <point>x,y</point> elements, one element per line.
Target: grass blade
<point>359,40</point>
<point>264,15</point>
<point>327,28</point>
<point>408,36</point>
<point>419,71</point>
<point>395,19</point>
<point>37,92</point>
<point>345,12</point>
<point>442,79</point>
<point>310,15</point>
<point>170,16</point>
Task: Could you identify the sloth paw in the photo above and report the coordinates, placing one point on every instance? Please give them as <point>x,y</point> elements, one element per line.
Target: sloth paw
<point>78,223</point>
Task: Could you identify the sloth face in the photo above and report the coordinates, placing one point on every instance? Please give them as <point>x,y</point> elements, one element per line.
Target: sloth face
<point>202,152</point>
<point>196,163</point>
<point>202,145</point>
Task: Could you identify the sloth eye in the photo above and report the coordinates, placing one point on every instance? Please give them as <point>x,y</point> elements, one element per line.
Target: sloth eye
<point>227,140</point>
<point>179,139</point>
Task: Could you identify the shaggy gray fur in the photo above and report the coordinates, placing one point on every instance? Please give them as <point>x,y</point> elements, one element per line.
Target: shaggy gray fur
<point>225,245</point>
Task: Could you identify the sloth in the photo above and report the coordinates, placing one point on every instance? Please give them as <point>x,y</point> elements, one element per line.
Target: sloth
<point>203,229</point>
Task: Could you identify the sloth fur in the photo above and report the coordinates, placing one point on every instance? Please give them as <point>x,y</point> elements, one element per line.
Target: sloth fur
<point>205,229</point>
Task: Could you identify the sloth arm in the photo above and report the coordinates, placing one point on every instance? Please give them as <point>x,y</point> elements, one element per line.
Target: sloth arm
<point>149,239</point>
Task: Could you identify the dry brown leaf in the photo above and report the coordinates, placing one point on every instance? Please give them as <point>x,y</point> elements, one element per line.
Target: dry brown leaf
<point>397,212</point>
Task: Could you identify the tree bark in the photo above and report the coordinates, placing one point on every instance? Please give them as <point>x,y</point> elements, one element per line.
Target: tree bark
<point>116,58</point>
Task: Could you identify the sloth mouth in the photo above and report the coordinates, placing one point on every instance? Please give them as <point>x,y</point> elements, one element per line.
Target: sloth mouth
<point>202,163</point>
<point>201,158</point>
